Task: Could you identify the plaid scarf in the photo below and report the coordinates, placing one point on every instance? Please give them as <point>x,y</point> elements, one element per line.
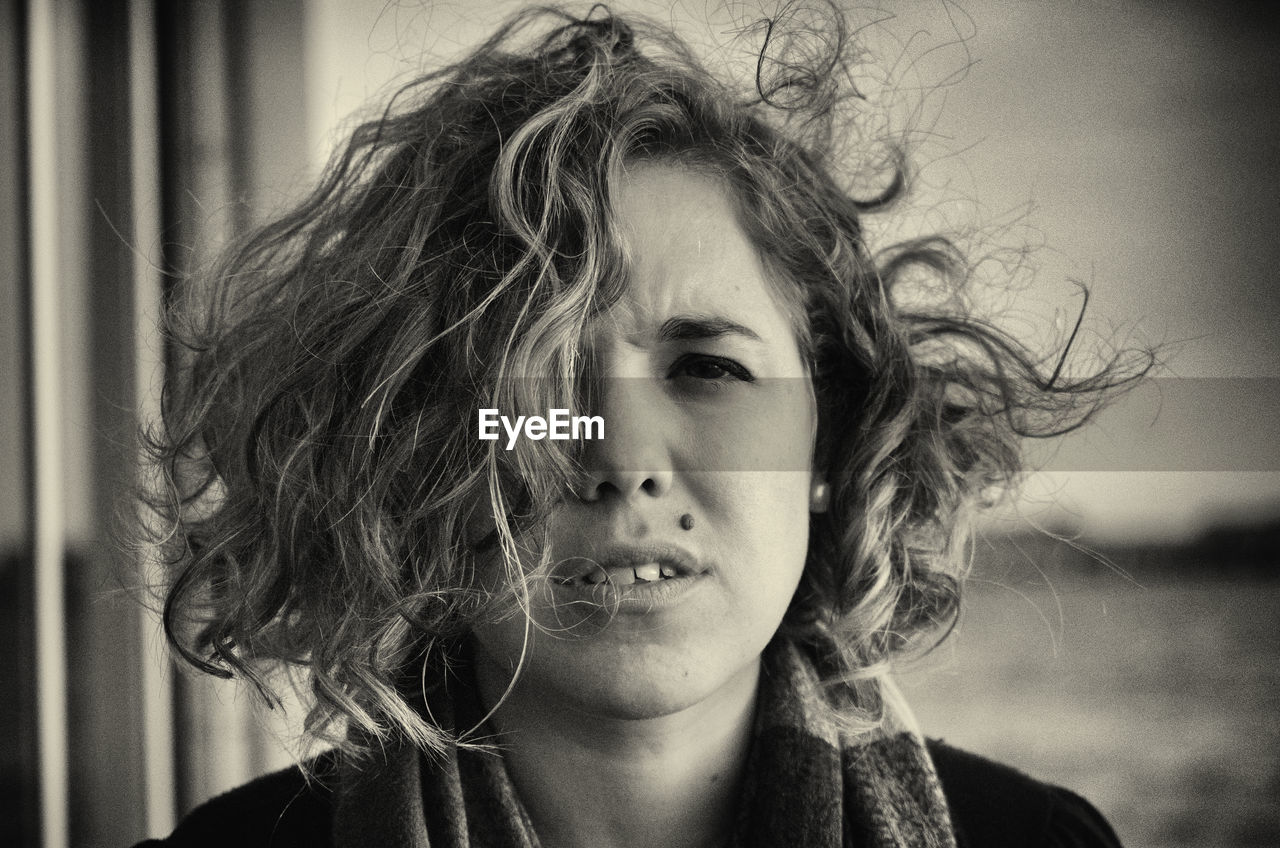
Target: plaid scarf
<point>807,784</point>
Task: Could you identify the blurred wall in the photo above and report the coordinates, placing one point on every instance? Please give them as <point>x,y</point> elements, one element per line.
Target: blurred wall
<point>18,772</point>
<point>132,131</point>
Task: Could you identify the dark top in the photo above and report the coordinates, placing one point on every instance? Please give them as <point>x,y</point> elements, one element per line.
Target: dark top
<point>992,806</point>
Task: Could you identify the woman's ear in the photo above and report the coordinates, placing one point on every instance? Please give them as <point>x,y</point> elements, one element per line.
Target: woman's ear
<point>819,494</point>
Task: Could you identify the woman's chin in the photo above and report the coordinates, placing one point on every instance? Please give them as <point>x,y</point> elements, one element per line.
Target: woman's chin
<point>611,661</point>
<point>642,680</point>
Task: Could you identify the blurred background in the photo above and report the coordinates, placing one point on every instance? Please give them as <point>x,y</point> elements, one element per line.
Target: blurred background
<point>1119,635</point>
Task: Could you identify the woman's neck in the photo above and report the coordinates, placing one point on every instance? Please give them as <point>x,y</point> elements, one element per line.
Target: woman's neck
<point>605,782</point>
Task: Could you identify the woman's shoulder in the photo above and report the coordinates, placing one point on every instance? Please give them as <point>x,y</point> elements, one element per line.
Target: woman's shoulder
<point>994,805</point>
<point>290,808</point>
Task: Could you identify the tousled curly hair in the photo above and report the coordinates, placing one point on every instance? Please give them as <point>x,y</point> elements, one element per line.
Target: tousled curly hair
<point>319,470</point>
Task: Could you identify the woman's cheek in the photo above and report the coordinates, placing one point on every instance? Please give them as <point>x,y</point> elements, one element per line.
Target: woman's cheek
<point>769,426</point>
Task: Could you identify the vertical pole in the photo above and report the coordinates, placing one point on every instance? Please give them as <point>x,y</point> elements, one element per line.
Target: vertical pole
<point>48,536</point>
<point>149,358</point>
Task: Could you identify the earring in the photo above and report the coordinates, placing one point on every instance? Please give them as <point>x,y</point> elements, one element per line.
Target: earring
<point>819,497</point>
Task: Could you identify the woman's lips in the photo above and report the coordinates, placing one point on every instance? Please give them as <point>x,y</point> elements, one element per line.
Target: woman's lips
<point>627,563</point>
<point>647,575</point>
<point>620,575</point>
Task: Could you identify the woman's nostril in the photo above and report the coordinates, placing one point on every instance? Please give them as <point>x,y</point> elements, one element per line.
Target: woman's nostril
<point>607,485</point>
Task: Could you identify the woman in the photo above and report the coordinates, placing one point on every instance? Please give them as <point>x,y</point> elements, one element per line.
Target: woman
<point>673,626</point>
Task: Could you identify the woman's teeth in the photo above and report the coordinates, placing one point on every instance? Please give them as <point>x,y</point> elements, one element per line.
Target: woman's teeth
<point>649,572</point>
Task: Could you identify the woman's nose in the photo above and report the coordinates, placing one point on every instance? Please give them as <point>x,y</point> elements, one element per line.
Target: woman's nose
<point>634,457</point>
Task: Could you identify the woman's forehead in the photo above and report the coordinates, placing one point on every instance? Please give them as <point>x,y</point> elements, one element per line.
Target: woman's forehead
<point>688,257</point>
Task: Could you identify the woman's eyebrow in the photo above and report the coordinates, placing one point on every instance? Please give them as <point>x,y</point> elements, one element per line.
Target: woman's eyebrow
<point>690,327</point>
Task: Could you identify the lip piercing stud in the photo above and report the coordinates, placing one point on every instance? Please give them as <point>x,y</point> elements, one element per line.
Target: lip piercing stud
<point>686,521</point>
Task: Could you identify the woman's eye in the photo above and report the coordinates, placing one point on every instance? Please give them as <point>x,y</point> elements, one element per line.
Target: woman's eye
<point>710,368</point>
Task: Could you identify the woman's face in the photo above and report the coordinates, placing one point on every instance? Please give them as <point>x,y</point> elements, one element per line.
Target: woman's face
<point>708,412</point>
